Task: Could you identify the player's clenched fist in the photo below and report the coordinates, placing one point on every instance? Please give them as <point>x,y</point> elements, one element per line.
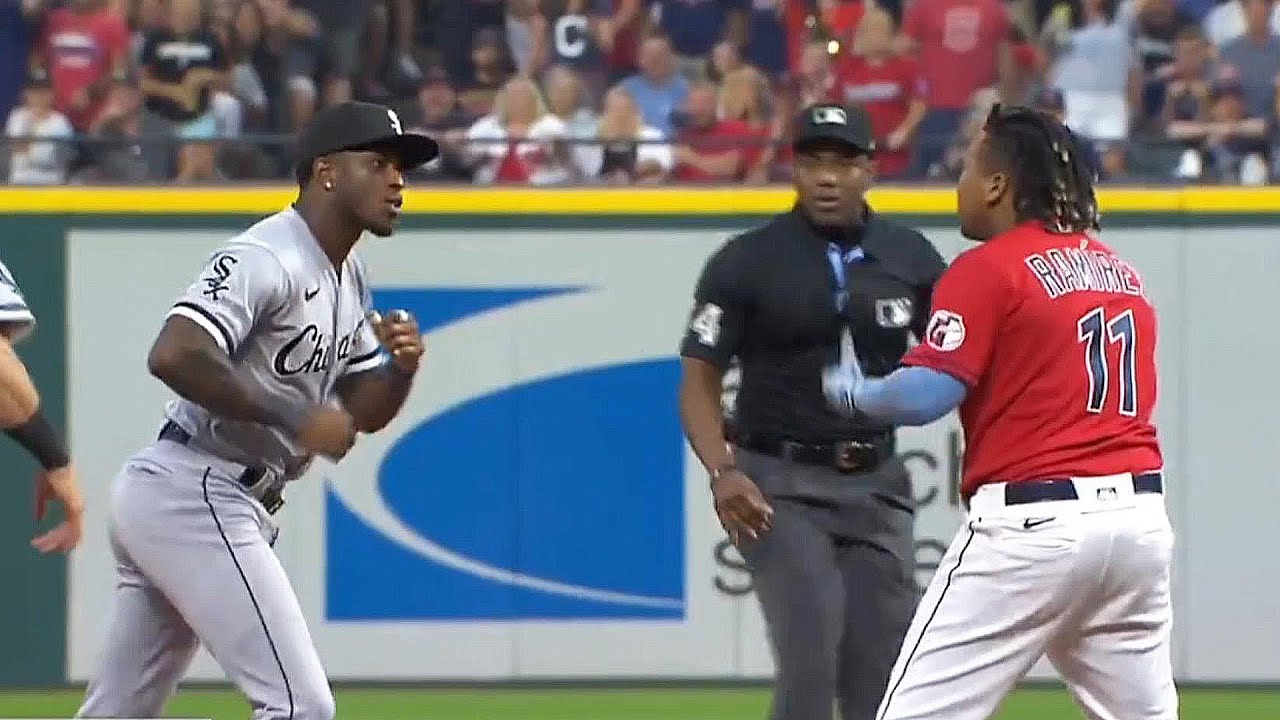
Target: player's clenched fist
<point>399,334</point>
<point>328,431</point>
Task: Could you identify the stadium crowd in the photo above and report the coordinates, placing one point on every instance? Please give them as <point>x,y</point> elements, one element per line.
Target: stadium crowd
<point>629,91</point>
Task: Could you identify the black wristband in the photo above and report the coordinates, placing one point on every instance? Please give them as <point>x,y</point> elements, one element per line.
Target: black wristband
<point>42,441</point>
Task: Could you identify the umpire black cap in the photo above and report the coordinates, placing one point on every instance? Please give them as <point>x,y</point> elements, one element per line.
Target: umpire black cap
<point>846,124</point>
<point>364,126</point>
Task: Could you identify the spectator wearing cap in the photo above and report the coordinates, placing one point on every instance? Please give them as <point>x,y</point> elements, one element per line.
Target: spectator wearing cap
<point>520,142</point>
<point>627,150</point>
<point>491,67</point>
<point>695,26</point>
<point>183,65</point>
<point>436,113</point>
<point>1224,137</point>
<point>889,87</point>
<point>1255,55</point>
<point>962,46</point>
<point>659,88</point>
<point>38,137</point>
<point>84,46</point>
<point>1097,71</point>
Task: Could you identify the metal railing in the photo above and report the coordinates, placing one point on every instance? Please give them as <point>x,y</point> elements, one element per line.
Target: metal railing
<point>270,158</point>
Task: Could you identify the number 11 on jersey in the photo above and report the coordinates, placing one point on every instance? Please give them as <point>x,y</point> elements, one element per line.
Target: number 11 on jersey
<point>1098,333</point>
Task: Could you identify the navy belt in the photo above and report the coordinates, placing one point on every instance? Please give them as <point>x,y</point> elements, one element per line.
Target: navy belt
<point>1033,491</point>
<point>250,478</point>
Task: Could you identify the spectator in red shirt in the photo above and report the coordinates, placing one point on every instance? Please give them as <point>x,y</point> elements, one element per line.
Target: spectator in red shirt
<point>708,149</point>
<point>962,46</point>
<point>84,46</point>
<point>889,87</point>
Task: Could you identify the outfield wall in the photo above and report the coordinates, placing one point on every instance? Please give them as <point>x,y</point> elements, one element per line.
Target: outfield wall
<point>535,512</point>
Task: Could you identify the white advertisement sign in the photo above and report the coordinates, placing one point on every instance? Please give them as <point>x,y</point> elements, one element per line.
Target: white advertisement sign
<point>534,512</point>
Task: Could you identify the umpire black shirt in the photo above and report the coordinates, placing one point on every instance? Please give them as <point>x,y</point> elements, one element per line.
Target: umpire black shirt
<point>768,298</point>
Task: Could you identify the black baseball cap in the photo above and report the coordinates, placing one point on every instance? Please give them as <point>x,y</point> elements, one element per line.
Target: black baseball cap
<point>364,126</point>
<point>846,124</point>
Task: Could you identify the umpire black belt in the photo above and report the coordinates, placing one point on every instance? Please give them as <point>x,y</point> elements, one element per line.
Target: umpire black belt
<point>1050,489</point>
<point>249,479</point>
<point>845,456</point>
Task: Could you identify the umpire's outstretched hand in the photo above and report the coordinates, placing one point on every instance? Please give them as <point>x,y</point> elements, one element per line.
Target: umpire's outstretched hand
<point>740,506</point>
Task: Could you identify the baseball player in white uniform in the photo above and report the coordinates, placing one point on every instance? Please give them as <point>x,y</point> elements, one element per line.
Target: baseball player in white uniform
<point>276,356</point>
<point>22,419</point>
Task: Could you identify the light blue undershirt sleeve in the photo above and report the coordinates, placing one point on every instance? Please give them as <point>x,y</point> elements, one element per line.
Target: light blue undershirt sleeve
<point>909,396</point>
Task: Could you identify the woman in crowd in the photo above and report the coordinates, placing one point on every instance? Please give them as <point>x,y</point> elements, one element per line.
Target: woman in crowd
<point>519,142</point>
<point>629,151</point>
<point>742,99</point>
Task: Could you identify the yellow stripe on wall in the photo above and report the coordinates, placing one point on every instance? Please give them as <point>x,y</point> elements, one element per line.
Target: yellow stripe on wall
<point>589,201</point>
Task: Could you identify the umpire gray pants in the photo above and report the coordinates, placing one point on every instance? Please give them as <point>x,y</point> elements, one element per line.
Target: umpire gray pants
<point>836,581</point>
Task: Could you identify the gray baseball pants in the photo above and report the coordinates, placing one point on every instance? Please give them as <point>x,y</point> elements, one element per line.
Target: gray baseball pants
<point>835,578</point>
<point>196,566</point>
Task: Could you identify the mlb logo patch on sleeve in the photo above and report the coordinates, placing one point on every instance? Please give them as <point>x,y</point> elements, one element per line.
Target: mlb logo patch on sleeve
<point>946,331</point>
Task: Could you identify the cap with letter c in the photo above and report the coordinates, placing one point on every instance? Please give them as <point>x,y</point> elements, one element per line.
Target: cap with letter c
<point>364,126</point>
<point>845,124</point>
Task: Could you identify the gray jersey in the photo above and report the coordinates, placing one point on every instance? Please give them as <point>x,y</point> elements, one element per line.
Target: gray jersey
<point>16,318</point>
<point>292,327</point>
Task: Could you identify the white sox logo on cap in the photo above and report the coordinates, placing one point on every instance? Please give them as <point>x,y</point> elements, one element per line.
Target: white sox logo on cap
<point>830,115</point>
<point>395,121</point>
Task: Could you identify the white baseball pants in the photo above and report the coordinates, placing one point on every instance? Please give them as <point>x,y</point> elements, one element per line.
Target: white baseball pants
<point>1085,582</point>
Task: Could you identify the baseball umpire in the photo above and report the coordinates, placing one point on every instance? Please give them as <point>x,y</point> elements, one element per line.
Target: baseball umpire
<point>277,356</point>
<point>817,503</point>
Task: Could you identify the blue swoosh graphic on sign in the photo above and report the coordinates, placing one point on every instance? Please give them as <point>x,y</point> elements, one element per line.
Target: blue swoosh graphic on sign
<point>554,498</point>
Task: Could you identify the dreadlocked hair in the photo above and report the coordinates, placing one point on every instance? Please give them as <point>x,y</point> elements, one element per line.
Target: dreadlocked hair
<point>1052,178</point>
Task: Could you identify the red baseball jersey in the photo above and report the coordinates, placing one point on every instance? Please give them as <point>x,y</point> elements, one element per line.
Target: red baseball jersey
<point>885,90</point>
<point>1056,341</point>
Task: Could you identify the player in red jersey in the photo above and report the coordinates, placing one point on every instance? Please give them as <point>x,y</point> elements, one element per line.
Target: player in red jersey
<point>1044,338</point>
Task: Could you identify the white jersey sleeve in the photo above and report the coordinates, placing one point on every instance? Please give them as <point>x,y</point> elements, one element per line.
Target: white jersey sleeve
<point>16,319</point>
<point>240,284</point>
<point>366,351</point>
